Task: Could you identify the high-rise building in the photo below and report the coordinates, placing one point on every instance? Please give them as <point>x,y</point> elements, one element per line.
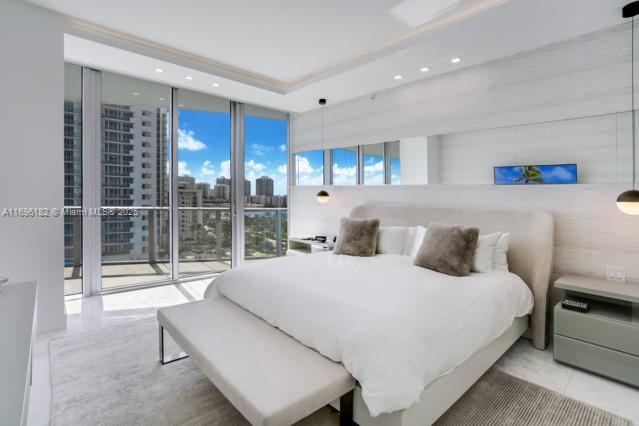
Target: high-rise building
<point>222,192</point>
<point>247,187</point>
<point>134,143</point>
<point>223,181</point>
<point>264,186</point>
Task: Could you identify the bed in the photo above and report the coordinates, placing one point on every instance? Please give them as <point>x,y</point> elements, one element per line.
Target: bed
<point>415,340</point>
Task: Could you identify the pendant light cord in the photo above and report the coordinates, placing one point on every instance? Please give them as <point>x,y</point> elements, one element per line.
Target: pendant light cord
<point>634,140</point>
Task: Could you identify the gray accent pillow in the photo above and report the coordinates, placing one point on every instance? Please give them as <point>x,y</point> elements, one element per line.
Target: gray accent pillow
<point>357,237</point>
<point>448,249</point>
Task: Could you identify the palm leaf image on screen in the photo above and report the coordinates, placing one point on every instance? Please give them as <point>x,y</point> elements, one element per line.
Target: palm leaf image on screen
<point>536,174</point>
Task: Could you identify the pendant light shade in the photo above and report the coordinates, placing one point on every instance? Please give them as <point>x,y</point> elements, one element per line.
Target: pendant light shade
<point>323,197</point>
<point>628,201</point>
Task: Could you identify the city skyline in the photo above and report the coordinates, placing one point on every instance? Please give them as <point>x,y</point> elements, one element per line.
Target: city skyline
<point>204,148</point>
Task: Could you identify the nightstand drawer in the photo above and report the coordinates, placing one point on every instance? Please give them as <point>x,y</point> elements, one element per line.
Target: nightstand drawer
<point>595,327</point>
<point>613,364</point>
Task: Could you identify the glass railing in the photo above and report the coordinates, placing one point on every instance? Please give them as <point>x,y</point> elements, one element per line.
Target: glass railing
<point>204,244</point>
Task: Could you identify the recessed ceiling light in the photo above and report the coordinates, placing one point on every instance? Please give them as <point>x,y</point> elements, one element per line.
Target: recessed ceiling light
<point>188,77</point>
<point>456,60</point>
<point>181,105</point>
<point>398,77</point>
<point>424,69</point>
<point>159,70</point>
<point>136,94</point>
<point>216,84</point>
<point>160,99</point>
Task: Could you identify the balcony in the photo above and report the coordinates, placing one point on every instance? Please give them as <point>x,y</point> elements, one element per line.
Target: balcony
<point>204,245</point>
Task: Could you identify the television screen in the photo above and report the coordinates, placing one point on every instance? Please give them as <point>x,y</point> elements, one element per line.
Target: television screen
<point>536,175</point>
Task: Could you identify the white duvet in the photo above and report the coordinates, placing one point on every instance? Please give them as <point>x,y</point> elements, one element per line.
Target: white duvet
<point>396,327</point>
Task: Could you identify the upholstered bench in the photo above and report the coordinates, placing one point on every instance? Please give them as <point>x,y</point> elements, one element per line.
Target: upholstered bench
<point>268,376</point>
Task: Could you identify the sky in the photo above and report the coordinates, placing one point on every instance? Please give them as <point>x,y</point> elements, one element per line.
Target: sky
<point>204,147</point>
<point>309,168</point>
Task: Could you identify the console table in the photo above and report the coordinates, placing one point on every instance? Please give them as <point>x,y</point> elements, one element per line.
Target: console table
<point>604,340</point>
<point>17,331</point>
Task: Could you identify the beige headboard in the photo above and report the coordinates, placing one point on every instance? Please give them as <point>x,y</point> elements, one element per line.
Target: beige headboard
<point>531,242</point>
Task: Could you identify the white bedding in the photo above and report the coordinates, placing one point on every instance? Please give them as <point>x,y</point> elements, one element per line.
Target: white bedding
<point>396,327</point>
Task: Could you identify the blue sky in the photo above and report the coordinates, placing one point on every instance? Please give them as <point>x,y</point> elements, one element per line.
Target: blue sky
<point>204,148</point>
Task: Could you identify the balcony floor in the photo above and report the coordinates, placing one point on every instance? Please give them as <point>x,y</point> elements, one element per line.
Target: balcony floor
<point>117,275</point>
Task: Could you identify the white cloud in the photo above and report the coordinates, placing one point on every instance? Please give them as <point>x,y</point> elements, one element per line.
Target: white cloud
<point>260,149</point>
<point>303,165</point>
<point>344,175</point>
<point>374,173</point>
<point>559,173</point>
<point>306,174</point>
<point>188,142</point>
<point>310,179</point>
<point>254,170</point>
<point>207,172</point>
<point>283,148</point>
<point>183,168</point>
<point>374,167</point>
<point>207,169</point>
<point>283,169</point>
<point>225,168</point>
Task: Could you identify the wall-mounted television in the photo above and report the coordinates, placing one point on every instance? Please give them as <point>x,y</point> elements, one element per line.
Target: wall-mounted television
<point>549,174</point>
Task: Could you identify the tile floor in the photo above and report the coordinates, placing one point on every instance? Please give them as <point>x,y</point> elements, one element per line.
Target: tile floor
<point>522,360</point>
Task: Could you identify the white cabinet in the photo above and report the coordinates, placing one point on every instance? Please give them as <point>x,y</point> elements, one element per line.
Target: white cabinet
<point>17,331</point>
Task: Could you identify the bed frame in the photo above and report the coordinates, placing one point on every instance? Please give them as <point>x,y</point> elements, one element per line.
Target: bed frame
<point>529,256</point>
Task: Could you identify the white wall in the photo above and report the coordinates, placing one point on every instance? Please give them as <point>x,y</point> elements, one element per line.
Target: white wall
<point>600,146</point>
<point>31,152</point>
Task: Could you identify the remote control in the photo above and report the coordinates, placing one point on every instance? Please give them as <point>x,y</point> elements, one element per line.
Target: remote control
<point>575,305</point>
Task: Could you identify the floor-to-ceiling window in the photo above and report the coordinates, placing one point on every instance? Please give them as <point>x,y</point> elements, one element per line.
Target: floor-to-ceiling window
<point>134,190</point>
<point>204,183</point>
<point>149,172</point>
<point>266,182</point>
<point>72,179</point>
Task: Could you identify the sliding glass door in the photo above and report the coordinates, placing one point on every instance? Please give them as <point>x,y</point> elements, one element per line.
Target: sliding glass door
<point>266,182</point>
<point>135,178</point>
<point>204,183</point>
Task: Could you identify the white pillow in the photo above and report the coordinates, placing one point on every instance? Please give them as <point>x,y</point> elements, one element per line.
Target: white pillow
<point>501,252</point>
<point>391,239</point>
<point>414,241</point>
<point>484,257</point>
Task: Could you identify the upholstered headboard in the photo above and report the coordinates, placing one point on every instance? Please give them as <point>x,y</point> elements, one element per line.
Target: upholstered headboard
<point>531,242</point>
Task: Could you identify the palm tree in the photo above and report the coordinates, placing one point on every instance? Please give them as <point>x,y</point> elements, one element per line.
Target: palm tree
<point>529,174</point>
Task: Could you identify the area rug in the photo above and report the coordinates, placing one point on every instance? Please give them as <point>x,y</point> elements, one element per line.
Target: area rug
<point>112,377</point>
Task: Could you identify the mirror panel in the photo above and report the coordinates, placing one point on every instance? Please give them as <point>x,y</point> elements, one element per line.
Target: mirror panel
<point>600,146</point>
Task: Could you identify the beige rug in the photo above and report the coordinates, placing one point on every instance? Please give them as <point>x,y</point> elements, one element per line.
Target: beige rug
<point>112,377</point>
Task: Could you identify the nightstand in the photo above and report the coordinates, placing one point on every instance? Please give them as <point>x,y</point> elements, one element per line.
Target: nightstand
<point>306,246</point>
<point>604,340</point>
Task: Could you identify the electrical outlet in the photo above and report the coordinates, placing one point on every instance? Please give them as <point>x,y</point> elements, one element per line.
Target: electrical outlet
<point>616,273</point>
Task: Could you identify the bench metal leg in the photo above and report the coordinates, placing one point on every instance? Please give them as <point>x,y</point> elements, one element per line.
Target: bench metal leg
<point>171,358</point>
<point>346,409</point>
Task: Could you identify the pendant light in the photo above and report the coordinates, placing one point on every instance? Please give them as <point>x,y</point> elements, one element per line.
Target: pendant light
<point>323,196</point>
<point>628,201</point>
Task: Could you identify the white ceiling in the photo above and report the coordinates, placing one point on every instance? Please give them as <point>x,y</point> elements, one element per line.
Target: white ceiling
<point>287,53</point>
